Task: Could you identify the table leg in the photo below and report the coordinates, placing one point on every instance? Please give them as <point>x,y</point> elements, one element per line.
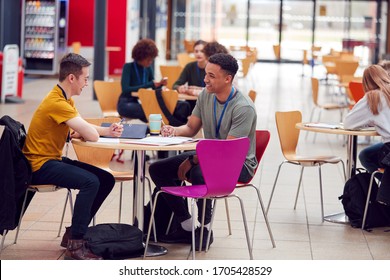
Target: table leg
<point>139,202</point>
<point>341,218</point>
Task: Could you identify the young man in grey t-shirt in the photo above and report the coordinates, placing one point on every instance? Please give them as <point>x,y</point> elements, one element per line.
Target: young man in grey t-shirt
<point>224,113</point>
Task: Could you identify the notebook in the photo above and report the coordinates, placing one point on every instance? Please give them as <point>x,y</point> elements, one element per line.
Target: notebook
<point>131,131</point>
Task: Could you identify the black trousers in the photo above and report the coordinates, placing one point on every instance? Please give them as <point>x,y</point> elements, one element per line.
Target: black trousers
<point>94,185</point>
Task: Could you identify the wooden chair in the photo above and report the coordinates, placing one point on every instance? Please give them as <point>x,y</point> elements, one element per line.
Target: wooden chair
<point>76,47</point>
<point>172,72</point>
<point>184,58</point>
<point>107,94</point>
<point>189,46</point>
<point>345,67</point>
<point>245,66</point>
<point>42,189</point>
<point>252,95</point>
<point>276,49</point>
<point>325,106</point>
<point>288,138</point>
<point>102,157</point>
<point>150,105</point>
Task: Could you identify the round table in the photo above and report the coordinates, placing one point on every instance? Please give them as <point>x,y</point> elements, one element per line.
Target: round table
<point>139,175</point>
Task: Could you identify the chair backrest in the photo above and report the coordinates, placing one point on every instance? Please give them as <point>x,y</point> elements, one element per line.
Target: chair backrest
<point>314,90</point>
<point>252,95</point>
<point>172,72</point>
<point>150,104</point>
<point>189,45</point>
<point>107,94</point>
<point>245,63</point>
<point>346,67</point>
<point>276,49</point>
<point>262,140</point>
<point>76,47</point>
<point>356,89</point>
<point>184,58</point>
<point>221,162</point>
<point>288,134</point>
<point>92,155</point>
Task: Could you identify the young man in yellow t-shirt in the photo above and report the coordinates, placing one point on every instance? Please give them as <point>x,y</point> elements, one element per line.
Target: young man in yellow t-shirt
<point>48,131</point>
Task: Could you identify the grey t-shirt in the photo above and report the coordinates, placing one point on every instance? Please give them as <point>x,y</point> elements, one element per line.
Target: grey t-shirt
<point>239,120</point>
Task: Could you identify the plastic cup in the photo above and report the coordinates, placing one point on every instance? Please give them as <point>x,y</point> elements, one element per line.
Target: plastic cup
<point>155,124</point>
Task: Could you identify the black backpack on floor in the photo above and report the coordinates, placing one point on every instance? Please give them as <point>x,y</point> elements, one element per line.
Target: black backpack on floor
<point>354,201</point>
<point>115,241</point>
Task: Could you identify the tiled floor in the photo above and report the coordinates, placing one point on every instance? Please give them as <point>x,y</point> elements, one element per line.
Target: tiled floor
<point>299,234</point>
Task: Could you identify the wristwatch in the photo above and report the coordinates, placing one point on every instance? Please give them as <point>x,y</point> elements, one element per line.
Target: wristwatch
<point>191,160</point>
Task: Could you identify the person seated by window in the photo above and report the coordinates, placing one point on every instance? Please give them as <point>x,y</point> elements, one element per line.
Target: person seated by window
<point>374,110</point>
<point>139,74</point>
<point>49,129</point>
<point>191,79</point>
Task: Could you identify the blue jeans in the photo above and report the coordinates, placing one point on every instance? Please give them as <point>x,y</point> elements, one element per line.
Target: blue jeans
<point>369,157</point>
<point>94,185</point>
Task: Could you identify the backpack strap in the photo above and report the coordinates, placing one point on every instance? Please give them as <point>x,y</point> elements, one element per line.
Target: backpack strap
<point>172,120</point>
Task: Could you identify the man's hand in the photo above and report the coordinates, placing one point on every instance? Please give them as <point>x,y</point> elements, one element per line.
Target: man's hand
<point>184,167</point>
<point>168,131</point>
<point>115,130</point>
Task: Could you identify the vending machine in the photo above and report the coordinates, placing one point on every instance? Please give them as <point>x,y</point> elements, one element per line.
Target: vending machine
<point>44,35</point>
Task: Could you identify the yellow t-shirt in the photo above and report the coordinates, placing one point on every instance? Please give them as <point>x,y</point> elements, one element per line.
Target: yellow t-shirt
<point>48,131</point>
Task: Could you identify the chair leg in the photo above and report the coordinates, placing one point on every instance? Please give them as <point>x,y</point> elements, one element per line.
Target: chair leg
<point>3,239</point>
<point>310,120</point>
<point>245,226</point>
<point>273,188</point>
<point>299,187</point>
<point>193,228</point>
<point>228,216</point>
<point>368,198</point>
<point>150,224</point>
<point>265,216</point>
<point>151,207</point>
<point>214,204</point>
<point>169,223</point>
<point>120,202</point>
<point>321,193</point>
<point>68,197</point>
<point>202,223</point>
<point>21,215</point>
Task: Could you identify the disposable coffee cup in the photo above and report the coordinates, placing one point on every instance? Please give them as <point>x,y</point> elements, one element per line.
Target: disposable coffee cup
<point>155,123</point>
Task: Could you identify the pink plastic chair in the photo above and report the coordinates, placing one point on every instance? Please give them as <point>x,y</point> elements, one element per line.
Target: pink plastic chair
<point>262,139</point>
<point>221,162</point>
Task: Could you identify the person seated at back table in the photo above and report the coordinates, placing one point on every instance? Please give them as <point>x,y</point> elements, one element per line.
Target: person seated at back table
<point>374,110</point>
<point>191,79</point>
<point>48,131</point>
<point>139,74</point>
<point>225,113</point>
<point>369,156</point>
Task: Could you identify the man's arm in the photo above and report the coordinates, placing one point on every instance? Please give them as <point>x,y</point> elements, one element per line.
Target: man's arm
<point>90,132</point>
<point>190,129</point>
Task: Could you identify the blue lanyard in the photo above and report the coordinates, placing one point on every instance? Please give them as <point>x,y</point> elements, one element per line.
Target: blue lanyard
<point>200,78</point>
<point>137,73</point>
<point>218,126</point>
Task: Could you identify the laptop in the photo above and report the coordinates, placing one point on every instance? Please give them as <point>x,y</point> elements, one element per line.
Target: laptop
<point>131,131</point>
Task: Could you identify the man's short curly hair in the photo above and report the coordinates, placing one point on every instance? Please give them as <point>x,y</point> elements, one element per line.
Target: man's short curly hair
<point>145,48</point>
<point>227,63</point>
<point>213,48</point>
<point>72,64</point>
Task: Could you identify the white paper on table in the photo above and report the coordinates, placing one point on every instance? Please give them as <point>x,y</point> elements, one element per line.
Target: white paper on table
<point>160,141</point>
<point>324,125</point>
<point>108,140</point>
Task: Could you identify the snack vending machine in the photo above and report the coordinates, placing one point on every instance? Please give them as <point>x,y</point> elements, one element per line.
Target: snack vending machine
<point>44,35</point>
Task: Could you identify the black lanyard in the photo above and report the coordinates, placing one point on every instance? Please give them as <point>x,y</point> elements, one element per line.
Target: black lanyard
<point>218,124</point>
